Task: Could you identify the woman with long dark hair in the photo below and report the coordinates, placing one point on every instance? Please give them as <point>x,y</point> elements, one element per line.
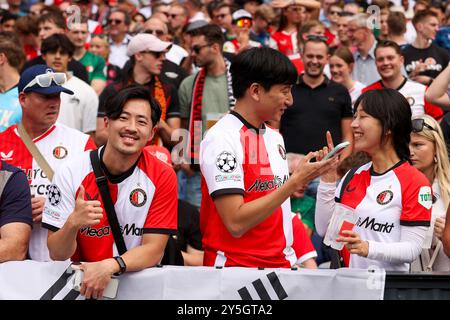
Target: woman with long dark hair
<point>390,199</point>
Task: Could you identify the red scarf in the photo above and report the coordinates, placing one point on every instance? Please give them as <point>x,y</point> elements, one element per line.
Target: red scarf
<point>161,98</point>
<point>195,119</point>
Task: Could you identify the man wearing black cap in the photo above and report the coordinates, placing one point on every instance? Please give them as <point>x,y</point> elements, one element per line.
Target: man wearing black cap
<point>39,96</point>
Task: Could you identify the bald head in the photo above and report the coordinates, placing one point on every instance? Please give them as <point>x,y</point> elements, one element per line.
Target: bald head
<point>156,27</point>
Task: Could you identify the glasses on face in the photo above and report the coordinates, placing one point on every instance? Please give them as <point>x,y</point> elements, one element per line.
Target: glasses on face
<point>45,80</point>
<point>197,48</point>
<point>294,9</point>
<point>157,55</point>
<point>114,21</point>
<point>346,14</point>
<point>419,124</point>
<point>313,37</point>
<point>335,13</point>
<point>155,32</point>
<point>243,23</point>
<point>174,15</point>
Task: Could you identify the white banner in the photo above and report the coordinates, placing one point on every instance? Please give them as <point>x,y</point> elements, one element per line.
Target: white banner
<point>51,281</point>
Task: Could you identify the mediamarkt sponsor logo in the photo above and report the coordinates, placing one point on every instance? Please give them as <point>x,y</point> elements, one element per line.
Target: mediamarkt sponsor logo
<point>260,185</point>
<point>106,231</point>
<point>375,226</point>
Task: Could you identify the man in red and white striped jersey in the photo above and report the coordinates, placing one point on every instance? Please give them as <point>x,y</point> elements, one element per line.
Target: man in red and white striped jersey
<point>143,190</point>
<point>245,214</point>
<point>39,95</point>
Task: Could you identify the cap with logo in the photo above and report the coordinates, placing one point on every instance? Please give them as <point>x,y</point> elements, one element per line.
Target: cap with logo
<point>31,73</point>
<point>144,41</point>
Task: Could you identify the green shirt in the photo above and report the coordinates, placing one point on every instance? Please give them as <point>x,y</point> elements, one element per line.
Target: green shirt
<point>215,97</point>
<point>306,206</point>
<point>95,66</point>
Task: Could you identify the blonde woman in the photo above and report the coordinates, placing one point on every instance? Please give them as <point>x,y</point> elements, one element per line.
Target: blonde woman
<point>429,155</point>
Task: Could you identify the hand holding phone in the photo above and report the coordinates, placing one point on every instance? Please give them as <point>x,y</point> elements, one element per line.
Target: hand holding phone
<point>337,150</point>
<point>109,292</point>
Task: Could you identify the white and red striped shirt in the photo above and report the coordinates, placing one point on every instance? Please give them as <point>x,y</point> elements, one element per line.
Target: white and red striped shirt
<point>57,145</point>
<point>236,158</point>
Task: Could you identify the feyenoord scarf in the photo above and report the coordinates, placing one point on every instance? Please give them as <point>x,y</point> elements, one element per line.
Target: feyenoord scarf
<point>195,118</point>
<point>161,98</point>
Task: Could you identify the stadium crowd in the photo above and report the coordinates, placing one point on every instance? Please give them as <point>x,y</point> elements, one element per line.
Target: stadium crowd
<point>135,133</point>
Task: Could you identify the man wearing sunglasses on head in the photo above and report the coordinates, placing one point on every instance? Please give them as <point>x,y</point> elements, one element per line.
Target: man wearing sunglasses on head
<point>40,97</point>
<point>147,54</point>
<point>242,23</point>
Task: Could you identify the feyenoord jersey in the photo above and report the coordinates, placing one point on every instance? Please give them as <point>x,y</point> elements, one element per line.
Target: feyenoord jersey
<point>414,92</point>
<point>286,42</point>
<point>238,159</point>
<point>145,201</point>
<point>57,145</point>
<point>303,247</point>
<point>401,196</point>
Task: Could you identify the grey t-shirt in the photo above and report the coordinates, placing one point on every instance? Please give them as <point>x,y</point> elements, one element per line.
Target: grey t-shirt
<point>215,97</point>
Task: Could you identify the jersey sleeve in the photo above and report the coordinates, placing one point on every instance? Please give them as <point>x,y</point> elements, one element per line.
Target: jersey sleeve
<point>302,244</point>
<point>221,165</point>
<point>60,201</point>
<point>416,202</point>
<point>163,212</point>
<point>90,144</point>
<point>15,200</point>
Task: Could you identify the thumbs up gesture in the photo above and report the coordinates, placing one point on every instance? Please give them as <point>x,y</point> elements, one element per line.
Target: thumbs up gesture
<point>86,213</point>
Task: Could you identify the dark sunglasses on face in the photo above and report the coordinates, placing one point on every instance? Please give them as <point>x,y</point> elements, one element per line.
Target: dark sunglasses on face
<point>114,21</point>
<point>197,49</point>
<point>173,15</point>
<point>419,124</point>
<point>346,14</point>
<point>155,32</point>
<point>157,55</point>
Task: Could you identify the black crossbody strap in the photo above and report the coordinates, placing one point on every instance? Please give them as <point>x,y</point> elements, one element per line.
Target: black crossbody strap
<point>346,181</point>
<point>102,183</point>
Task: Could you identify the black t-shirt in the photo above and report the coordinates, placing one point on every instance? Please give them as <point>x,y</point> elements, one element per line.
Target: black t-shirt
<point>74,66</point>
<point>314,111</point>
<point>188,226</point>
<point>434,57</point>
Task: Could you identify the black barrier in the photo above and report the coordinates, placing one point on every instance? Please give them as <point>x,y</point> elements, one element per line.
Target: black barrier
<point>417,286</point>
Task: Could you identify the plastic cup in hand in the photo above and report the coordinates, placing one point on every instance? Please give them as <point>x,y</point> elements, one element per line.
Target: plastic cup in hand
<point>344,218</point>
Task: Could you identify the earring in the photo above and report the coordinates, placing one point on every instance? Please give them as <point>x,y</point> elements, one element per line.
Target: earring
<point>435,159</point>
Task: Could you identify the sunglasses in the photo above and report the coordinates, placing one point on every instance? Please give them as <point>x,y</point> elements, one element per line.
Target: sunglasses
<point>313,37</point>
<point>115,21</point>
<point>45,80</point>
<point>346,14</point>
<point>157,55</point>
<point>335,13</point>
<point>419,124</point>
<point>197,49</point>
<point>155,32</point>
<point>173,15</point>
<point>244,23</point>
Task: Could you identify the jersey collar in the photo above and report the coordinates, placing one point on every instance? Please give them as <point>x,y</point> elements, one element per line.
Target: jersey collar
<point>248,124</point>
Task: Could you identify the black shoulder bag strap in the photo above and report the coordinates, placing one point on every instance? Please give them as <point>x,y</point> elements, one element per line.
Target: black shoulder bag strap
<point>336,260</point>
<point>102,183</point>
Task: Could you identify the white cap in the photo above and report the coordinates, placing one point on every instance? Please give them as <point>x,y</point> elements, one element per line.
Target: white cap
<point>241,14</point>
<point>144,41</point>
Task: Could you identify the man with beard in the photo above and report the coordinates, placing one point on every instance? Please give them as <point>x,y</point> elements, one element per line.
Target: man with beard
<point>320,105</point>
<point>204,96</point>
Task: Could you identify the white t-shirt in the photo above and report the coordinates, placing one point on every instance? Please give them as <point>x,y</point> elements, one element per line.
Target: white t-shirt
<point>79,111</point>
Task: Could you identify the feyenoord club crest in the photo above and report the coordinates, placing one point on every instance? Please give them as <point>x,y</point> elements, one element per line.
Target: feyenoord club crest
<point>138,197</point>
<point>410,100</point>
<point>385,197</point>
<point>282,151</point>
<point>60,152</point>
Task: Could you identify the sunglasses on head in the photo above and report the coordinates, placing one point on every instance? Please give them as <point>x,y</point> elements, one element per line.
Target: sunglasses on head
<point>45,80</point>
<point>313,37</point>
<point>155,32</point>
<point>244,23</point>
<point>419,124</point>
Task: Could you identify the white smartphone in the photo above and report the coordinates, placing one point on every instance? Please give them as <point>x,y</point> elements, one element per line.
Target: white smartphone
<point>337,150</point>
<point>109,292</point>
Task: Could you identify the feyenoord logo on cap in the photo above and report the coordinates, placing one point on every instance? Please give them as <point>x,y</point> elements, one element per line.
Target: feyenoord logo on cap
<point>385,197</point>
<point>282,151</point>
<point>60,152</point>
<point>138,197</point>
